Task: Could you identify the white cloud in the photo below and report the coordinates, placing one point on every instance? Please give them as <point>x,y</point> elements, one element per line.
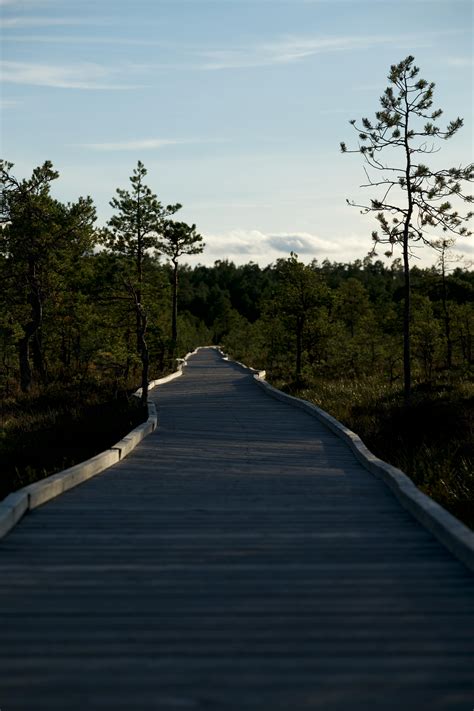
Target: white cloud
<point>464,246</point>
<point>78,76</point>
<point>303,243</point>
<point>242,246</point>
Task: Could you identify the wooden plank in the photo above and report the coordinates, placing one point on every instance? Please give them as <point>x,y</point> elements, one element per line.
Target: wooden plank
<point>239,558</point>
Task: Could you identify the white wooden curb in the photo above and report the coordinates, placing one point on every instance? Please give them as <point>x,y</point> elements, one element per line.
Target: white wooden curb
<point>29,497</point>
<point>451,532</point>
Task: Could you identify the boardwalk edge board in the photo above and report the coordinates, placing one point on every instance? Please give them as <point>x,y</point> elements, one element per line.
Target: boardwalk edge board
<point>451,532</point>
<point>15,505</point>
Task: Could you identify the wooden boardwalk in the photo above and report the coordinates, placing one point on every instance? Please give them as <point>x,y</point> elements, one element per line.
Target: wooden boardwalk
<point>239,558</point>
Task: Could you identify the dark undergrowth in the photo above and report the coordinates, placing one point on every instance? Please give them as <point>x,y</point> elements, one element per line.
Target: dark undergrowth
<point>45,433</point>
<point>432,440</point>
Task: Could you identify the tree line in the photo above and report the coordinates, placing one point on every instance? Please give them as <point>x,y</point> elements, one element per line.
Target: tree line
<point>71,311</point>
<point>81,302</point>
<point>336,320</point>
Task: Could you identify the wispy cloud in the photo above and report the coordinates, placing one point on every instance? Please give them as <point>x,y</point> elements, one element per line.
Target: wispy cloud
<point>82,39</point>
<point>24,3</point>
<point>137,145</point>
<point>328,112</point>
<point>292,49</point>
<point>25,21</point>
<point>280,51</point>
<point>78,76</point>
<point>460,62</point>
<point>9,103</point>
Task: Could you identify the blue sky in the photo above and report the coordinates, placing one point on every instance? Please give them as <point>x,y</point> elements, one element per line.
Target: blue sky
<point>236,107</point>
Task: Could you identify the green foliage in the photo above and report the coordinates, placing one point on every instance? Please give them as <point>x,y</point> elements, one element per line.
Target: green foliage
<point>427,340</point>
<point>297,296</point>
<point>39,241</point>
<point>351,303</point>
<point>178,239</point>
<point>140,216</point>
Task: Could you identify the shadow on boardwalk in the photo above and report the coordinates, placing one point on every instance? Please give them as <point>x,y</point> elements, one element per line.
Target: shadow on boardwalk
<point>239,558</point>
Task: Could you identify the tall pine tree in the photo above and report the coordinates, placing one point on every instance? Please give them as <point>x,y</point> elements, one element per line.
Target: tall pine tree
<point>132,232</point>
<point>178,239</point>
<point>415,201</point>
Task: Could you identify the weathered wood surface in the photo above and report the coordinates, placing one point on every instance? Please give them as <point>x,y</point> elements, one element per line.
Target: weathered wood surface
<point>240,558</point>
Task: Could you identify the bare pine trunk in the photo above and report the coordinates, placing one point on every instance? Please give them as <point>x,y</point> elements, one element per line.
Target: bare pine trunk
<point>174,314</point>
<point>38,358</point>
<point>138,321</point>
<point>145,358</point>
<point>406,263</point>
<point>406,325</point>
<point>145,371</point>
<point>299,347</point>
<point>447,319</point>
<point>24,363</point>
<point>31,330</point>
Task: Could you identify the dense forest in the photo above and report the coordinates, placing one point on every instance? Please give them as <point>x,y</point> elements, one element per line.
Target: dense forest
<point>85,310</point>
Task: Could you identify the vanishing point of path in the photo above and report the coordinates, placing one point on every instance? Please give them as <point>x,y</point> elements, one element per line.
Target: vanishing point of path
<point>239,558</point>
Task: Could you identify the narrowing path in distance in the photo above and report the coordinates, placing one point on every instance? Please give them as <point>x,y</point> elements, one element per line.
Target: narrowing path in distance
<point>239,558</point>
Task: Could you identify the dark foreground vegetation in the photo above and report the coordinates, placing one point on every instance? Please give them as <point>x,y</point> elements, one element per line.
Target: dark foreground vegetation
<point>50,431</point>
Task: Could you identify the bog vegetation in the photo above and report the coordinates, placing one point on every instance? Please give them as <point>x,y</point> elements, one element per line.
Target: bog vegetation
<point>87,315</point>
